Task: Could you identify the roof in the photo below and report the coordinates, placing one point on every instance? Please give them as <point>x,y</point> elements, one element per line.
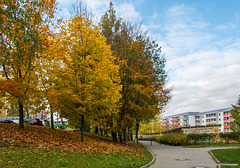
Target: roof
<point>197,113</point>
<point>216,111</point>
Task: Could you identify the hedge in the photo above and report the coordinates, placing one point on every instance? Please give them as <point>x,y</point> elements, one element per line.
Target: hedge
<point>173,139</point>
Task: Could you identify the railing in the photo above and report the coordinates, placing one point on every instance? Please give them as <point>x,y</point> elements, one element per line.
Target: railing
<point>227,115</point>
<point>229,120</point>
<point>210,117</point>
<point>175,120</point>
<point>175,124</point>
<point>165,126</point>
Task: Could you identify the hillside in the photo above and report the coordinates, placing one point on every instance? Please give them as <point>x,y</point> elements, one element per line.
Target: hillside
<point>45,137</point>
<point>46,141</point>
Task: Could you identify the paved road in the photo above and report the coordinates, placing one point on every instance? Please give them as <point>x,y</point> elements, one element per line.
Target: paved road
<point>179,157</point>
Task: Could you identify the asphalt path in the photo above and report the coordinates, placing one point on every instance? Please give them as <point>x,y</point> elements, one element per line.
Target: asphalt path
<point>179,157</point>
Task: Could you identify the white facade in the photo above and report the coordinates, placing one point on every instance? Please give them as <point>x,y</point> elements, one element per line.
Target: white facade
<point>216,117</point>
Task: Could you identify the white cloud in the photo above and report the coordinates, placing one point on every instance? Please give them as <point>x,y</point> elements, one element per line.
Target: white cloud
<point>97,7</point>
<point>128,11</point>
<point>206,80</point>
<point>204,77</point>
<point>184,29</point>
<point>223,27</point>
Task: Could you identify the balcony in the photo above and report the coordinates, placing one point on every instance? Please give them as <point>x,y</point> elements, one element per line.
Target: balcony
<point>165,122</point>
<point>229,120</point>
<point>227,115</point>
<point>165,125</point>
<point>226,126</point>
<point>175,124</point>
<point>210,117</point>
<point>175,120</point>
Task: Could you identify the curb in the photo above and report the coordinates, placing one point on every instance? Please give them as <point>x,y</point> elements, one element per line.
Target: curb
<point>153,160</point>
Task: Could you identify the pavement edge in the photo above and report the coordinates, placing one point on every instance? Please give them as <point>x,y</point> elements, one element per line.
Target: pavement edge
<point>153,160</point>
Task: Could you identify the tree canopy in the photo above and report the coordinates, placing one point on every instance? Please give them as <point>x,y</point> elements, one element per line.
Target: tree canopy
<point>110,75</point>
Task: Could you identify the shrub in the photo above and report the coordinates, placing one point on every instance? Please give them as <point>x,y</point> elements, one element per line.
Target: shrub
<point>173,139</point>
<point>195,138</point>
<point>230,136</point>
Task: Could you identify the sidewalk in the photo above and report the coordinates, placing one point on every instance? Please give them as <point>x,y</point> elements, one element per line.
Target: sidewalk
<point>179,157</point>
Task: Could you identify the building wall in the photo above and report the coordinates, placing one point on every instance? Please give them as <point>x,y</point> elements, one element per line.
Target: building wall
<point>192,121</point>
<point>216,117</point>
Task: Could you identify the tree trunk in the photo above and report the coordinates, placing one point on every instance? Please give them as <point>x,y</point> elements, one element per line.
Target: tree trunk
<point>20,106</point>
<point>125,136</point>
<point>82,128</point>
<point>52,126</point>
<point>136,136</point>
<point>96,129</point>
<point>101,131</point>
<point>120,138</point>
<point>114,136</point>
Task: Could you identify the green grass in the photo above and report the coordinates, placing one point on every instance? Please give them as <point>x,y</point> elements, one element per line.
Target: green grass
<point>212,145</point>
<point>20,156</point>
<point>227,155</point>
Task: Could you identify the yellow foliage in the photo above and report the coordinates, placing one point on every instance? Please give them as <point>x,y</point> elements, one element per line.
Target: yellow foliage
<point>89,80</point>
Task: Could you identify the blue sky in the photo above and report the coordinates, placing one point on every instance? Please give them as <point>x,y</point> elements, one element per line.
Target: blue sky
<point>200,40</point>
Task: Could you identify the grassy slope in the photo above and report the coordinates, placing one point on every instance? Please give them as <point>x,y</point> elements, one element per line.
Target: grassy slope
<point>44,147</point>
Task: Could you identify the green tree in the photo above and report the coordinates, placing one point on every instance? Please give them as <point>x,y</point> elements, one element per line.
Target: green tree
<point>141,71</point>
<point>235,112</point>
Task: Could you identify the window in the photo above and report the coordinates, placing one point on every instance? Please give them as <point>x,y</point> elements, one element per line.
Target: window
<point>219,119</point>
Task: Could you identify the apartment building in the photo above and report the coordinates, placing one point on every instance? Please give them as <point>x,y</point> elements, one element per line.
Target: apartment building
<point>215,117</point>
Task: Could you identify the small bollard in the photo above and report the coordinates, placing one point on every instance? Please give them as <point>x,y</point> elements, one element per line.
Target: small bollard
<point>151,142</point>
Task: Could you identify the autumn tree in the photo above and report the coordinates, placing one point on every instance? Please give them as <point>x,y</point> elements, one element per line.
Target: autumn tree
<point>141,70</point>
<point>89,82</point>
<point>235,112</point>
<point>22,31</point>
<point>50,64</point>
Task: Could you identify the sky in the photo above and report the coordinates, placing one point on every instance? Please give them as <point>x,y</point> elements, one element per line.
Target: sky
<point>200,40</point>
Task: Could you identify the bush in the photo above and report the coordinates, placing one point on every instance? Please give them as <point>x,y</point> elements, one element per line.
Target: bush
<point>195,138</point>
<point>173,139</point>
<point>230,136</point>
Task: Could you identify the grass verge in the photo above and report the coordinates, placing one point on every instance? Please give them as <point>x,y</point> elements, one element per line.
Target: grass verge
<point>227,155</point>
<point>19,156</point>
